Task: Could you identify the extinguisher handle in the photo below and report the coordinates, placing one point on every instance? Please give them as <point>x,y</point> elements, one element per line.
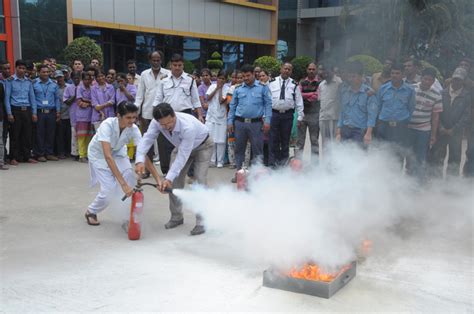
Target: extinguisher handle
<point>124,197</point>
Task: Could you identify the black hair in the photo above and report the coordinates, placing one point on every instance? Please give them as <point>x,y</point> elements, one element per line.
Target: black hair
<point>91,68</point>
<point>247,68</point>
<point>236,72</point>
<point>125,107</point>
<point>196,73</point>
<point>122,75</point>
<point>355,67</point>
<point>21,62</point>
<point>266,72</point>
<point>85,75</point>
<point>429,71</point>
<point>42,66</point>
<point>162,55</point>
<point>163,110</point>
<point>131,61</point>
<point>397,66</point>
<point>3,62</point>
<point>222,73</point>
<point>328,66</point>
<point>415,61</point>
<point>75,74</point>
<point>204,70</point>
<point>176,57</point>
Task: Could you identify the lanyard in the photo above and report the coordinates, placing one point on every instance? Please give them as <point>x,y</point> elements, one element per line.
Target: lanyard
<point>45,92</point>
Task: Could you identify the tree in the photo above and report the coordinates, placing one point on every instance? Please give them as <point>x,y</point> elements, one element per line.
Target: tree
<point>440,31</point>
<point>84,49</point>
<point>371,64</point>
<point>299,66</point>
<point>215,63</point>
<point>271,64</point>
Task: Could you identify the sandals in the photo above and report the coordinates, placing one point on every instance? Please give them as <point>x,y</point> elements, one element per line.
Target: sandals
<point>89,221</point>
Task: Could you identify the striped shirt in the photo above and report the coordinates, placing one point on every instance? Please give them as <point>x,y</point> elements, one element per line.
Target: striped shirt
<point>427,102</point>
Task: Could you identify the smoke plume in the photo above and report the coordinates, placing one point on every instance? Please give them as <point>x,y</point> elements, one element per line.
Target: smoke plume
<point>324,213</point>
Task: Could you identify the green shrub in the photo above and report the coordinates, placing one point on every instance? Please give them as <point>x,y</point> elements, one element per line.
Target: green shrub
<point>426,64</point>
<point>84,49</point>
<point>371,65</point>
<point>188,66</point>
<point>271,64</point>
<point>299,66</point>
<point>215,63</point>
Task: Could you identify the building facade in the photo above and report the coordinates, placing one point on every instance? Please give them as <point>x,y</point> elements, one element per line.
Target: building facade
<point>311,28</point>
<point>239,30</point>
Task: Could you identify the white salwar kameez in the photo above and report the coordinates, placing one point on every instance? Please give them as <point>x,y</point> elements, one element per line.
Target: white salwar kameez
<point>216,122</point>
<point>109,131</point>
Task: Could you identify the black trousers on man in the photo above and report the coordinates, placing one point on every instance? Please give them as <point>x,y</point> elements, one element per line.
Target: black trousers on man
<point>280,132</point>
<point>63,137</point>
<point>20,134</point>
<point>45,129</point>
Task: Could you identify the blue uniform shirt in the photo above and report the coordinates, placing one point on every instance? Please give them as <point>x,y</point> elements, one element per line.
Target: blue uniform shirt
<point>396,104</point>
<point>19,93</point>
<point>250,102</point>
<point>46,95</point>
<point>357,108</point>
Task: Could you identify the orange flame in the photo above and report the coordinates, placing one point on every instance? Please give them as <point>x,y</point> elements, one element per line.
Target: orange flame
<point>315,273</point>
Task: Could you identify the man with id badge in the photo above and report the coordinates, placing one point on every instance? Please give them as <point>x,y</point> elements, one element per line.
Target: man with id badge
<point>49,109</point>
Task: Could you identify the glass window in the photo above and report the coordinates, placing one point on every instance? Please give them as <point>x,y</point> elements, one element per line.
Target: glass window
<point>230,55</point>
<point>3,50</point>
<point>144,44</point>
<point>43,28</point>
<point>192,50</point>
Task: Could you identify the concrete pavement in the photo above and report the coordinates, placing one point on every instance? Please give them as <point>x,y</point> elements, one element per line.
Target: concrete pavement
<point>51,260</point>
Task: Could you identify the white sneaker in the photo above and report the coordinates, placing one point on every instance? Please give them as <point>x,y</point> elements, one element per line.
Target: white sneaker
<point>220,166</point>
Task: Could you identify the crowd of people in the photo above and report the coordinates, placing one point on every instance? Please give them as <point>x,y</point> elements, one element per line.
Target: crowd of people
<point>51,113</point>
<point>190,122</point>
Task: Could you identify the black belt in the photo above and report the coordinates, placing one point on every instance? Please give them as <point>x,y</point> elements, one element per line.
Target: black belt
<point>188,111</point>
<point>283,111</point>
<point>21,108</point>
<point>207,137</point>
<point>248,120</point>
<point>46,110</point>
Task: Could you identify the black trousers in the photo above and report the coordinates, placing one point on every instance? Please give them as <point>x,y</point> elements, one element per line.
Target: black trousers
<point>45,133</point>
<point>20,134</point>
<point>280,132</point>
<point>63,137</point>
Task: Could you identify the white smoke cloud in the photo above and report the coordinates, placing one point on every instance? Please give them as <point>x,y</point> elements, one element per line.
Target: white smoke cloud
<point>324,213</point>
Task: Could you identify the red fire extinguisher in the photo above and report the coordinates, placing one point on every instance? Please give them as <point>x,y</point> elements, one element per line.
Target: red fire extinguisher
<point>134,224</point>
<point>241,178</point>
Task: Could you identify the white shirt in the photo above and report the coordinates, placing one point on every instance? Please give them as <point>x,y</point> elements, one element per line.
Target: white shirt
<point>217,112</point>
<point>329,98</point>
<point>180,92</point>
<point>188,134</point>
<point>147,89</point>
<point>109,131</point>
<point>293,98</point>
<point>136,80</point>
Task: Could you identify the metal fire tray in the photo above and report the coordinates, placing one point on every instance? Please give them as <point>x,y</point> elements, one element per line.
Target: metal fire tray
<point>275,279</point>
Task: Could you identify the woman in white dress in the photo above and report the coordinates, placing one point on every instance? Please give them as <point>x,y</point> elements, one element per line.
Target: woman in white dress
<point>108,160</point>
<point>216,119</point>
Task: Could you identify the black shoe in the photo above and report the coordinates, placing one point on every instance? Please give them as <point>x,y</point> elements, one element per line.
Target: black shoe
<point>233,180</point>
<point>198,229</point>
<point>173,223</point>
<point>146,175</point>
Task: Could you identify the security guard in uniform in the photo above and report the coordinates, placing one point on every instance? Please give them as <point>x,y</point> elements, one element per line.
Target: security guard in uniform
<point>286,98</point>
<point>180,91</point>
